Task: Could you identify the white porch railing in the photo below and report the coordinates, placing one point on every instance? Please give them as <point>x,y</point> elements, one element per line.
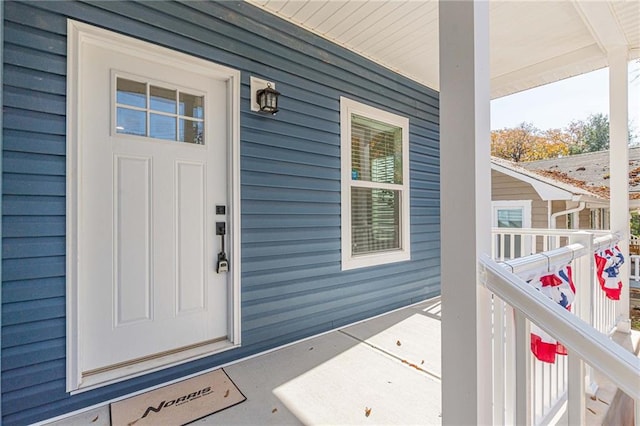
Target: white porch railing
<point>634,272</point>
<point>513,243</point>
<point>584,342</point>
<point>547,384</point>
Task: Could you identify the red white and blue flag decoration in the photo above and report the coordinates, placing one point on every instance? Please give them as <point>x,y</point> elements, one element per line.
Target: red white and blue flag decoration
<point>559,288</point>
<point>608,264</point>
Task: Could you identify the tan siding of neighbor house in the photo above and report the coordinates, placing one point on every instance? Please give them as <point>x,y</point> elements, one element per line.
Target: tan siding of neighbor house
<point>504,187</point>
<point>561,222</point>
<point>558,206</point>
<point>585,219</point>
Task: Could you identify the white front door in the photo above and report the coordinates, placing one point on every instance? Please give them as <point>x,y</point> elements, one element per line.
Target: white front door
<point>152,159</point>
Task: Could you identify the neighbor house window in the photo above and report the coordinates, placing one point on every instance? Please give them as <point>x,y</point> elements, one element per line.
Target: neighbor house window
<point>511,214</point>
<point>155,111</point>
<point>375,185</point>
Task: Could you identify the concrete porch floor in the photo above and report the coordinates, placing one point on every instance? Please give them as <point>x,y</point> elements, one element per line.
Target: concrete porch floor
<point>385,370</point>
<point>387,365</point>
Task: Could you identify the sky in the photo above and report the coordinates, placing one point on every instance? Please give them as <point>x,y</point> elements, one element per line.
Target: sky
<point>557,104</point>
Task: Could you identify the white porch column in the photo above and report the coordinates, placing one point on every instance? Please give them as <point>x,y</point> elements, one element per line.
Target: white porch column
<point>619,169</point>
<point>465,185</point>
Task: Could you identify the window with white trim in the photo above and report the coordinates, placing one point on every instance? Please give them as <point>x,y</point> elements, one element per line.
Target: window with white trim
<point>511,214</point>
<point>375,186</point>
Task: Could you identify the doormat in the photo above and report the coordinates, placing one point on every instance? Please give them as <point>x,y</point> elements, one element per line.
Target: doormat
<point>180,403</point>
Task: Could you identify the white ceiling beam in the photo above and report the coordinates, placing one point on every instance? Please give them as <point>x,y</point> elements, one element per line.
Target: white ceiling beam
<point>602,23</point>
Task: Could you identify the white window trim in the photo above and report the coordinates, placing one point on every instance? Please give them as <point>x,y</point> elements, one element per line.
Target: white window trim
<point>78,34</point>
<point>512,204</point>
<point>348,107</point>
<point>525,205</point>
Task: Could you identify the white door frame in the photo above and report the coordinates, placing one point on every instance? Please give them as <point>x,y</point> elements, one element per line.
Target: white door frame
<point>78,35</point>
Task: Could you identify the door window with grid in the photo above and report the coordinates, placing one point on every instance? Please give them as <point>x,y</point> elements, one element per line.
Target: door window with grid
<point>151,110</point>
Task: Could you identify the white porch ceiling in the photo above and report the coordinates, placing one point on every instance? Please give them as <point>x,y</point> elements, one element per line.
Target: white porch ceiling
<point>532,42</point>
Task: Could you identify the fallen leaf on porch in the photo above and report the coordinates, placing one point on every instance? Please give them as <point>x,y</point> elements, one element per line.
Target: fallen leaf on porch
<point>593,398</point>
<point>226,394</point>
<point>422,362</point>
<point>96,419</point>
<point>367,411</point>
<point>274,410</point>
<point>398,343</point>
<point>311,348</point>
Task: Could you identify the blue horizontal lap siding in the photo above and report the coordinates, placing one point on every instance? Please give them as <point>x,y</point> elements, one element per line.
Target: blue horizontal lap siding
<point>26,355</point>
<point>29,290</point>
<point>31,142</point>
<point>292,283</point>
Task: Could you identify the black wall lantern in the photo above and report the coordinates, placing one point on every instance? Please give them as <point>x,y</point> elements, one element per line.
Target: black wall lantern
<point>264,96</point>
<point>267,99</point>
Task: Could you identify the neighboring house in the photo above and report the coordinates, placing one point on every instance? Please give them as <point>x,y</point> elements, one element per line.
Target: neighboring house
<point>566,192</point>
<point>130,143</point>
<point>590,171</point>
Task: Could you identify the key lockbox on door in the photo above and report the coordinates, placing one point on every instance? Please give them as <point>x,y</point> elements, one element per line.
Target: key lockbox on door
<point>222,263</point>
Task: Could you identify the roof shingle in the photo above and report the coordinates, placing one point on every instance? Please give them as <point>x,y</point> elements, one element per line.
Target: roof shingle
<point>588,171</point>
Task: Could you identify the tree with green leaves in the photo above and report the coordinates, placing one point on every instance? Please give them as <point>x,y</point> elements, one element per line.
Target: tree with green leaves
<point>635,223</point>
<point>589,135</point>
<point>592,134</point>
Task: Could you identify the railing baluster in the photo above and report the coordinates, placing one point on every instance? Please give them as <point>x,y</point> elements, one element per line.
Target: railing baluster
<point>498,362</point>
<point>538,388</point>
<point>493,247</point>
<point>523,371</point>
<point>553,382</point>
<point>635,262</point>
<point>510,354</point>
<point>576,407</point>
